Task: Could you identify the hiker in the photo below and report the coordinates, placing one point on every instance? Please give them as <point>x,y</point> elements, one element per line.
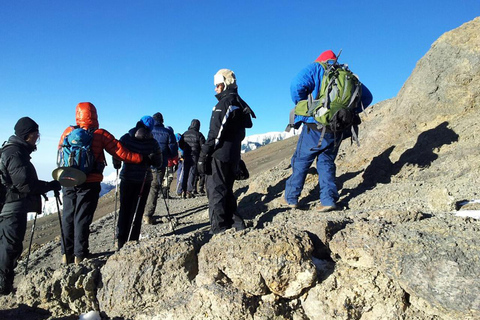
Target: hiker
<point>179,189</point>
<point>136,180</point>
<point>80,202</point>
<point>220,154</point>
<point>168,146</point>
<point>23,195</point>
<point>307,82</point>
<point>191,143</point>
<point>172,165</point>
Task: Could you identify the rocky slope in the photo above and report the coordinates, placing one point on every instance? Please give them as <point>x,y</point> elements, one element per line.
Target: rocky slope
<point>396,251</point>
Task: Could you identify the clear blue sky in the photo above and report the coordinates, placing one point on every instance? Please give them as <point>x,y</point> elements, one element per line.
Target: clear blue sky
<point>134,58</point>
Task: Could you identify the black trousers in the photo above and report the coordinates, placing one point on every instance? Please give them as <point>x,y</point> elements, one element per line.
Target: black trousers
<point>79,205</point>
<point>131,195</point>
<point>189,174</point>
<point>12,232</point>
<point>222,205</point>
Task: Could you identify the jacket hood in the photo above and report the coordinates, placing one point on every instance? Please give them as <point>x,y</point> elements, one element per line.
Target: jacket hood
<point>86,116</point>
<point>195,125</point>
<point>19,141</point>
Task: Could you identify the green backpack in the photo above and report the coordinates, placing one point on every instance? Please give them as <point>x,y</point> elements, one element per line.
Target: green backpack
<point>339,96</point>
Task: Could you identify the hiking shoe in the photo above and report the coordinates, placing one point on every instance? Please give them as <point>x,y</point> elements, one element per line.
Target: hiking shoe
<point>322,208</point>
<point>148,220</point>
<point>189,195</point>
<point>78,260</point>
<point>284,203</point>
<point>67,259</point>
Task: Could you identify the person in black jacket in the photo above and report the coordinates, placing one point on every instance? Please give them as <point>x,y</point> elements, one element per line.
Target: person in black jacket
<point>24,191</point>
<point>191,142</point>
<point>136,180</point>
<point>220,154</point>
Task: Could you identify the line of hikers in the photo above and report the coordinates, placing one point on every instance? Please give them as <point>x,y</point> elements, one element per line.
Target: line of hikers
<point>327,98</point>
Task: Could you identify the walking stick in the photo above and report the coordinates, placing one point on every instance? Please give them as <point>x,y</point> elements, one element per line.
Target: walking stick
<point>59,202</point>
<point>172,226</point>
<point>138,204</point>
<point>31,234</point>
<point>115,221</point>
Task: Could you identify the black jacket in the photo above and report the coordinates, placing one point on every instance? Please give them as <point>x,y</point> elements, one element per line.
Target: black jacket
<point>145,145</point>
<point>19,175</point>
<point>229,119</point>
<point>192,140</point>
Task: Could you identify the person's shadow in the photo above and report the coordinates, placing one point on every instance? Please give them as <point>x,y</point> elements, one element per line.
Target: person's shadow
<point>422,154</point>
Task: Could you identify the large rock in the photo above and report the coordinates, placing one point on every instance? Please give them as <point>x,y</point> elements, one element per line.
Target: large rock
<point>148,276</point>
<point>258,262</point>
<point>434,260</point>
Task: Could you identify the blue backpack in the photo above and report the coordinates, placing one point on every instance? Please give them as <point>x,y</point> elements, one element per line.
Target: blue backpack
<point>76,151</point>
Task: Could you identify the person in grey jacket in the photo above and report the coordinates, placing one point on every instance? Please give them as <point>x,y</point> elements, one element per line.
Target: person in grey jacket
<point>23,195</point>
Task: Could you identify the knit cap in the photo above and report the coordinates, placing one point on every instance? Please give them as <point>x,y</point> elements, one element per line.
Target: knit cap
<point>326,55</point>
<point>148,122</point>
<point>24,127</point>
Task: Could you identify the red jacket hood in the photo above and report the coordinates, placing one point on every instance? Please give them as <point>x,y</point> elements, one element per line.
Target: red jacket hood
<point>86,116</point>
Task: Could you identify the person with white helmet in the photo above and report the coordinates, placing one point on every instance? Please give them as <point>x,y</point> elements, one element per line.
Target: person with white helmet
<point>221,152</point>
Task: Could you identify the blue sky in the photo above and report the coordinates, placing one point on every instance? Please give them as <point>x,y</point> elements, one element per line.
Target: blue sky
<point>135,58</point>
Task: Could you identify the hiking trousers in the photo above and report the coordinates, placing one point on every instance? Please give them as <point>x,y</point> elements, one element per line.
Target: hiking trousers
<point>155,187</point>
<point>129,198</point>
<point>79,205</point>
<point>305,153</point>
<point>189,174</point>
<point>180,174</point>
<point>222,204</point>
<point>12,232</point>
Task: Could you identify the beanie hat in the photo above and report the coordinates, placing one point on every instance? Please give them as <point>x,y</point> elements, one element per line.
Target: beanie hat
<point>148,122</point>
<point>158,117</point>
<point>326,55</point>
<point>24,127</point>
<point>225,76</point>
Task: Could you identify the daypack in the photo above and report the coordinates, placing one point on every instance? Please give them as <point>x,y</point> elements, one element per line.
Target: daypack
<point>76,151</point>
<point>334,108</point>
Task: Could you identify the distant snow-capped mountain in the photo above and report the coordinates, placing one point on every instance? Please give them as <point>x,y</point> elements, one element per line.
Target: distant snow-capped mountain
<point>257,140</point>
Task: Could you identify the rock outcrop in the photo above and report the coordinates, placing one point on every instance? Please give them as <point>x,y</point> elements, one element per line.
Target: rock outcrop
<point>396,251</point>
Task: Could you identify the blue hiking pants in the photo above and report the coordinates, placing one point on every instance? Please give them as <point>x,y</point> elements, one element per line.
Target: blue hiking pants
<point>302,159</point>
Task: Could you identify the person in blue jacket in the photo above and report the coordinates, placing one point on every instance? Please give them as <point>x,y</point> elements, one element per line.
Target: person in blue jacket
<point>308,81</point>
<point>169,148</point>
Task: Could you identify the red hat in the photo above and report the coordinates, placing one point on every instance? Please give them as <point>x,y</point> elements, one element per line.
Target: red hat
<point>326,55</point>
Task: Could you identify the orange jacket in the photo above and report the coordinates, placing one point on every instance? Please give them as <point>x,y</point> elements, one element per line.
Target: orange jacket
<point>86,118</point>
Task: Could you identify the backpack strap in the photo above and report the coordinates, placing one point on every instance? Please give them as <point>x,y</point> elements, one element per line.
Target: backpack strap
<point>291,121</point>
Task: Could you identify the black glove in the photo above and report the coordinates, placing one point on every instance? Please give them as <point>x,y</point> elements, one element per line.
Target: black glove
<point>153,159</point>
<point>54,185</point>
<point>117,164</point>
<point>204,165</point>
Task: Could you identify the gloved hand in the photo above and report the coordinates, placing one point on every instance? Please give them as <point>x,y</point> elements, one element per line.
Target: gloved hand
<point>54,185</point>
<point>204,164</point>
<point>153,159</point>
<point>117,164</point>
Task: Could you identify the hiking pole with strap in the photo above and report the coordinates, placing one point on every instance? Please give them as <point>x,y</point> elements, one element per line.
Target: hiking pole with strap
<point>31,234</point>
<point>172,225</point>
<point>115,219</point>
<point>59,202</point>
<point>138,204</point>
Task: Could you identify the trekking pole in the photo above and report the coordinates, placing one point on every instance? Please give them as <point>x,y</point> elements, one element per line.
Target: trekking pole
<point>138,204</point>
<point>31,234</point>
<point>172,225</point>
<point>115,219</point>
<point>59,202</point>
